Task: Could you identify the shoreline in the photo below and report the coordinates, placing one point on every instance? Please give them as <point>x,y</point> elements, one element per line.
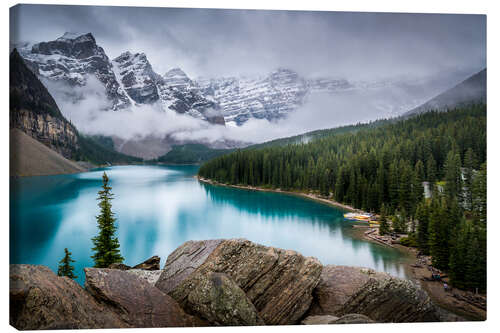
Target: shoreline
<point>309,196</point>
<point>454,301</point>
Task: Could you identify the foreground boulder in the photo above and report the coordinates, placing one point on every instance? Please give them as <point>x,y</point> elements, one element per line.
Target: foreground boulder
<point>119,266</point>
<point>278,282</point>
<point>216,282</point>
<point>218,299</point>
<point>39,299</point>
<point>184,261</point>
<point>150,277</point>
<point>337,285</point>
<point>383,298</point>
<point>138,302</point>
<point>151,264</point>
<point>392,300</point>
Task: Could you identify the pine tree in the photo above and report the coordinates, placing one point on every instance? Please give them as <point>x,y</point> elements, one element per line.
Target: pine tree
<point>431,172</point>
<point>479,202</point>
<point>384,224</point>
<point>453,176</point>
<point>458,255</point>
<point>405,188</point>
<point>106,246</point>
<point>469,166</point>
<point>399,222</point>
<point>65,268</point>
<point>419,171</point>
<point>422,216</point>
<point>439,233</point>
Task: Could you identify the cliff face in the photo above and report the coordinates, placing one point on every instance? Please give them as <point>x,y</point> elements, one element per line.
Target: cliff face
<point>54,132</point>
<point>215,283</point>
<point>34,111</point>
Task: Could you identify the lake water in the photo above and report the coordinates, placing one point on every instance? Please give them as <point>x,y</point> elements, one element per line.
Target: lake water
<point>158,208</point>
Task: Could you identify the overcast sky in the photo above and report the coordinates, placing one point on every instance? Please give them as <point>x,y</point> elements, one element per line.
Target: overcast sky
<point>204,42</point>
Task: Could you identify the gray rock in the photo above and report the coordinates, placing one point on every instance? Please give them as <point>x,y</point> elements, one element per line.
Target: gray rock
<point>149,276</point>
<point>184,261</point>
<point>138,302</point>
<point>392,300</point>
<point>151,264</point>
<point>278,282</point>
<point>119,266</point>
<point>41,300</point>
<point>337,285</point>
<point>218,299</point>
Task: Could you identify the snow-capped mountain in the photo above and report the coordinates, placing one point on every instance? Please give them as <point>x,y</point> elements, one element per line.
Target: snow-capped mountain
<point>128,79</point>
<point>72,58</point>
<point>270,97</point>
<point>137,77</point>
<point>177,78</point>
<point>174,90</point>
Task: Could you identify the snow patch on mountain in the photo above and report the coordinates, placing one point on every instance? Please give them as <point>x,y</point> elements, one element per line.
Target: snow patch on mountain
<point>137,77</point>
<point>73,58</point>
<point>272,97</point>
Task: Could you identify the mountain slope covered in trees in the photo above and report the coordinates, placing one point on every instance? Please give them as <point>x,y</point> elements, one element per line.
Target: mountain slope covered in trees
<point>383,168</point>
<point>191,153</point>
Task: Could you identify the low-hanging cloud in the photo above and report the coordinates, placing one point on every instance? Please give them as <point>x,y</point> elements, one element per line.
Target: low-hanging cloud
<point>87,108</point>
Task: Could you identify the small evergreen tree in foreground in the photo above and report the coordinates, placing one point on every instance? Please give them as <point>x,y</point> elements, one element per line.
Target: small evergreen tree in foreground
<point>65,267</point>
<point>106,246</point>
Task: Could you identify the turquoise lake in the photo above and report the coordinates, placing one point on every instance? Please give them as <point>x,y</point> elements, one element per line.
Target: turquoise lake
<point>160,207</point>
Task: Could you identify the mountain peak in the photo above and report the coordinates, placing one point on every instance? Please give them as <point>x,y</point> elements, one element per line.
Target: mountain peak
<point>127,55</point>
<point>78,37</point>
<point>176,71</point>
<point>124,56</point>
<point>176,77</point>
<point>70,44</point>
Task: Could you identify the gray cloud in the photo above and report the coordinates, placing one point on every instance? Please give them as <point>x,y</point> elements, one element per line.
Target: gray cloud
<point>427,53</point>
<point>212,42</point>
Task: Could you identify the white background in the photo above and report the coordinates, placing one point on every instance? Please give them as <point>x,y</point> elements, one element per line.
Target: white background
<point>490,8</point>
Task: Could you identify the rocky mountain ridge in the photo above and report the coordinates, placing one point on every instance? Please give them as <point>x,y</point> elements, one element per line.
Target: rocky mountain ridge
<point>270,97</point>
<point>72,59</point>
<point>215,283</point>
<point>129,79</point>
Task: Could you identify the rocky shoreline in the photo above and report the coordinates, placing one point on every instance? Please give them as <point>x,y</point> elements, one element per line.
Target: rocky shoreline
<point>219,282</point>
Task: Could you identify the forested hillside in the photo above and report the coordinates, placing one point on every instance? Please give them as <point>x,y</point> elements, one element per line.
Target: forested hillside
<point>191,153</point>
<point>318,134</point>
<point>383,168</point>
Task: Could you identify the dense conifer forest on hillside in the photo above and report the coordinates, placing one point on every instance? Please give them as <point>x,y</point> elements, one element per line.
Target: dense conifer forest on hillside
<point>383,169</point>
